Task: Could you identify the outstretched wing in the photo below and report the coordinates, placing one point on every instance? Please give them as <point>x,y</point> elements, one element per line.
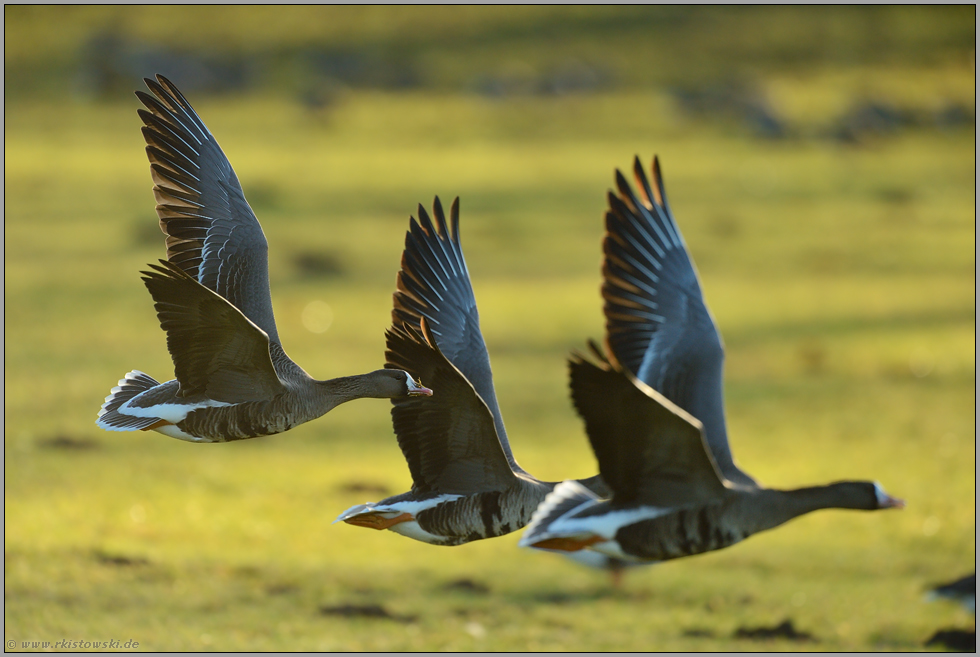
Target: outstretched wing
<point>212,233</point>
<point>649,450</point>
<point>449,438</point>
<point>217,351</point>
<point>434,284</point>
<point>657,324</point>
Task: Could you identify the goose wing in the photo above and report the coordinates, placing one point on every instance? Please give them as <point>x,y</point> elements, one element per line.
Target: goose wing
<point>649,450</point>
<point>448,439</point>
<point>434,284</point>
<point>657,324</point>
<point>217,351</point>
<point>212,233</point>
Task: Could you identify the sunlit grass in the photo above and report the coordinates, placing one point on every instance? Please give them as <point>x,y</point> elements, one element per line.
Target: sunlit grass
<point>842,280</point>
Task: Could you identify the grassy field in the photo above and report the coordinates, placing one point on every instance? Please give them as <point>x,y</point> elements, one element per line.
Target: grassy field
<point>841,274</point>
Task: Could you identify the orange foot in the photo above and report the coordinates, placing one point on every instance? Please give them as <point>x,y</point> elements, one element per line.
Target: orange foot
<point>378,521</point>
<point>568,544</point>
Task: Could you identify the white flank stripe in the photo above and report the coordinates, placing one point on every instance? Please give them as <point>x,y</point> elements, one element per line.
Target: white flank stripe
<point>172,413</point>
<point>607,524</point>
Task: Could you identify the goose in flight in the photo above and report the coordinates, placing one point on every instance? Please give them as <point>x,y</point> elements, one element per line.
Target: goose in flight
<point>233,379</point>
<point>653,411</point>
<point>466,483</point>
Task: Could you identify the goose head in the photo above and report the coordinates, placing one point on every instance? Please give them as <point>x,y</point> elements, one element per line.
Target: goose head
<point>397,383</point>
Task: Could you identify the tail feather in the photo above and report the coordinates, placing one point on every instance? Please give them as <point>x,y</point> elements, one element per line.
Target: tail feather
<point>131,385</point>
<point>567,498</point>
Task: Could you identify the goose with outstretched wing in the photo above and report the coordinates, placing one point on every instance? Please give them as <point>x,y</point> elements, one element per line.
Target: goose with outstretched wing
<point>233,379</point>
<point>466,484</point>
<point>653,410</point>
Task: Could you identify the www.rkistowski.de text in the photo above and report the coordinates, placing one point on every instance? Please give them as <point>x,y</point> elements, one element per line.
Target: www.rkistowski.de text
<point>68,644</point>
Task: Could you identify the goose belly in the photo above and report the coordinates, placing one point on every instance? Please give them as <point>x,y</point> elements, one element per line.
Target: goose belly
<point>680,533</point>
<point>479,516</point>
<point>174,431</point>
<point>232,422</point>
<point>411,529</point>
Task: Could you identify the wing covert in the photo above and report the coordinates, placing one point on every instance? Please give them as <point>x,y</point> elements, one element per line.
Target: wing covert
<point>649,450</point>
<point>217,351</point>
<point>448,439</point>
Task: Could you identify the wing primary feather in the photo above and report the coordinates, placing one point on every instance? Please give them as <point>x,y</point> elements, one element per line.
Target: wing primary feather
<point>162,128</point>
<point>663,205</point>
<point>444,236</point>
<point>457,249</point>
<point>186,106</point>
<point>182,111</point>
<point>424,247</point>
<point>165,112</point>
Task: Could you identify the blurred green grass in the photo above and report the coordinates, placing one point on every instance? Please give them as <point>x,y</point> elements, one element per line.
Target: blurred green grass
<point>842,277</point>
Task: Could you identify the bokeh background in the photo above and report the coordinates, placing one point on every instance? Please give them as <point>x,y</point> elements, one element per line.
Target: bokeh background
<point>821,165</point>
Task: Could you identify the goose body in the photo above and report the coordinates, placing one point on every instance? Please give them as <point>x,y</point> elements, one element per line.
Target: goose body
<point>466,483</point>
<point>233,379</point>
<point>653,410</point>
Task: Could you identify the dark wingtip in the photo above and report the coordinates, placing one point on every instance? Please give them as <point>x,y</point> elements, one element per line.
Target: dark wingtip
<point>425,222</point>
<point>454,219</point>
<point>441,226</point>
<point>166,269</point>
<point>622,185</point>
<point>597,351</point>
<point>642,182</point>
<point>658,179</point>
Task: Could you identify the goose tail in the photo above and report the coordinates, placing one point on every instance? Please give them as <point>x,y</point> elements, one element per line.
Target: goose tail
<point>567,498</point>
<point>131,385</point>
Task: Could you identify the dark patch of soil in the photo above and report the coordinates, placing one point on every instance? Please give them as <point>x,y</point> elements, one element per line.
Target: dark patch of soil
<point>698,633</point>
<point>68,442</point>
<point>281,588</point>
<point>366,611</point>
<point>953,639</point>
<point>319,265</point>
<point>784,630</point>
<point>119,559</point>
<point>468,586</point>
<point>364,487</point>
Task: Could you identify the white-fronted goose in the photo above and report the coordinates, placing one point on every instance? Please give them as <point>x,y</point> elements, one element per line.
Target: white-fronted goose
<point>466,484</point>
<point>233,379</point>
<point>676,489</point>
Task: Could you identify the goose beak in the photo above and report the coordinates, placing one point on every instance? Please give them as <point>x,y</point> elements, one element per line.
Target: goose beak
<point>886,501</point>
<point>417,389</point>
<point>892,503</point>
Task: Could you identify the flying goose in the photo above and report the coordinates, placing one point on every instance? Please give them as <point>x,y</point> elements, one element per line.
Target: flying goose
<point>233,379</point>
<point>653,411</point>
<point>466,483</point>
